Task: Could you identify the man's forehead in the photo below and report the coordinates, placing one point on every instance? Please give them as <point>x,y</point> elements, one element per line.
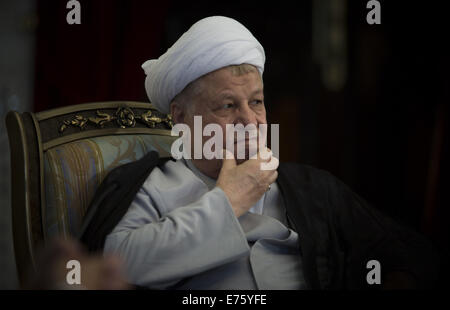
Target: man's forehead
<point>225,83</point>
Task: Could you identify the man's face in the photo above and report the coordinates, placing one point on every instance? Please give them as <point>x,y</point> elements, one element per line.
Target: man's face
<point>230,99</point>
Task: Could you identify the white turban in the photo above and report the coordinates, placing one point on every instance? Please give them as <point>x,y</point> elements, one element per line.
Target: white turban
<point>210,44</point>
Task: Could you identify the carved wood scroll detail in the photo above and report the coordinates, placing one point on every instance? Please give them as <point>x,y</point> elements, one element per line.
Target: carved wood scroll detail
<point>124,118</point>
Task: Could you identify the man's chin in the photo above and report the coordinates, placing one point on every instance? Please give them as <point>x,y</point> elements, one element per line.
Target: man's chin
<point>240,161</point>
<point>240,158</point>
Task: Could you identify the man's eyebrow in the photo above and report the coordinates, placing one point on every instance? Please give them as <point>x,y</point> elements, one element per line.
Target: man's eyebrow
<point>229,95</point>
<point>225,95</point>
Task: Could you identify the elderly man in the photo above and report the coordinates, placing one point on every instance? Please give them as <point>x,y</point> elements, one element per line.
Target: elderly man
<point>227,224</point>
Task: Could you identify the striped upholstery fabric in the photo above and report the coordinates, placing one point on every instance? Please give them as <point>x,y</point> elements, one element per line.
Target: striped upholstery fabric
<point>73,172</point>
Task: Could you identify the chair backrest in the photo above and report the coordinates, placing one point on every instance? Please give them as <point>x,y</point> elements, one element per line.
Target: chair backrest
<point>59,157</point>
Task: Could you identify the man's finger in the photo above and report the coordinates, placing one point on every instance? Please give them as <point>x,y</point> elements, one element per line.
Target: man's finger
<point>263,155</point>
<point>271,165</point>
<point>228,160</point>
<point>273,177</point>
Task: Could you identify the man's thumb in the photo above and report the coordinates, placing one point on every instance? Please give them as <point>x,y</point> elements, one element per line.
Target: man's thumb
<point>228,159</point>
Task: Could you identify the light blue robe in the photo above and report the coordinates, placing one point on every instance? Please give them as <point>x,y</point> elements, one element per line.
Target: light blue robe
<point>180,225</point>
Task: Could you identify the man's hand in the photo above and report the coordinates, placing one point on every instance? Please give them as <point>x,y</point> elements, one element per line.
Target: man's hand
<point>244,184</point>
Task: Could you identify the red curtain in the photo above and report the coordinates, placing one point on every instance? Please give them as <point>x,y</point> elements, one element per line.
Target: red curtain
<point>99,59</point>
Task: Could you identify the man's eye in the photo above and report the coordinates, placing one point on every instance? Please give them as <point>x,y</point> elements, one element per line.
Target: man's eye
<point>256,102</point>
<point>227,105</point>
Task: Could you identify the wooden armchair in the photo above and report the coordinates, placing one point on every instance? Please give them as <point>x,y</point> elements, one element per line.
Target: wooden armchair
<point>59,158</point>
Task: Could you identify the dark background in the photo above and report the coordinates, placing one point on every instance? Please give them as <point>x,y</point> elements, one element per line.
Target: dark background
<point>384,132</point>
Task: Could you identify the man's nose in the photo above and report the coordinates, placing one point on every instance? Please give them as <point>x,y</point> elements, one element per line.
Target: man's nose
<point>246,115</point>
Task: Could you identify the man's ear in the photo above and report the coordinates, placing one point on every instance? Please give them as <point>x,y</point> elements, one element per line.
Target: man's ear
<point>177,113</point>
